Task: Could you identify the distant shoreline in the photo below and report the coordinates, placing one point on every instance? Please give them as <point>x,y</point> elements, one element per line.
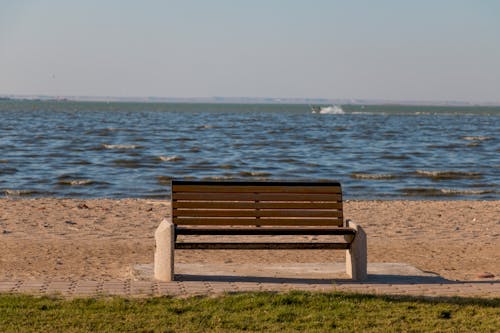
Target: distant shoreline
<point>246,100</point>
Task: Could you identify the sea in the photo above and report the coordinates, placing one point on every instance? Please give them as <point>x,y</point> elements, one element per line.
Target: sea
<point>133,150</point>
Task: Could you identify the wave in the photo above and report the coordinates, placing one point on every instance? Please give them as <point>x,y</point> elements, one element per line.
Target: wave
<point>446,146</point>
<point>478,138</point>
<point>101,131</point>
<point>436,192</point>
<point>106,146</point>
<point>395,157</point>
<point>372,176</point>
<point>23,193</point>
<point>76,182</point>
<point>332,109</point>
<point>8,171</point>
<point>128,163</point>
<point>172,158</point>
<point>437,175</point>
<point>254,174</point>
<point>164,180</point>
<point>218,178</point>
<point>205,127</point>
<point>227,166</point>
<point>79,162</point>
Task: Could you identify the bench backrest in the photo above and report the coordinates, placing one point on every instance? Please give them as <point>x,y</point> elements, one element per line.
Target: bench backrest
<point>257,203</point>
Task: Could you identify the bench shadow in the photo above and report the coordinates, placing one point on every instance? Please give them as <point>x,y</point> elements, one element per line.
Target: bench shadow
<point>372,279</point>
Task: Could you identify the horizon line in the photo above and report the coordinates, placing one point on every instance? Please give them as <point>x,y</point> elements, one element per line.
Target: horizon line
<point>245,100</point>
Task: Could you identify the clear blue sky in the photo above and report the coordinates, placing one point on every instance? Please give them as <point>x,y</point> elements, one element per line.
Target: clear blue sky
<point>399,50</point>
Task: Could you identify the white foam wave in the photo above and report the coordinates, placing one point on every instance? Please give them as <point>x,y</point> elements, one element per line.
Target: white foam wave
<point>465,192</point>
<point>171,158</point>
<point>448,174</point>
<point>372,176</point>
<point>218,178</point>
<point>332,109</point>
<point>254,174</point>
<point>77,182</point>
<point>106,146</point>
<point>477,138</point>
<point>18,193</point>
<point>444,191</point>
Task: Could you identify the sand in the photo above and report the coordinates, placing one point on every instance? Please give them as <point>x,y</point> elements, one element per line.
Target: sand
<point>101,239</point>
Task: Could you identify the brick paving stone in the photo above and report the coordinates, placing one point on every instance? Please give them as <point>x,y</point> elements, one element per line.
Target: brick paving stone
<point>246,286</point>
<point>168,289</point>
<point>142,288</point>
<point>85,292</point>
<point>220,287</point>
<point>268,286</point>
<point>32,287</point>
<point>294,286</point>
<point>86,288</point>
<point>325,288</point>
<point>195,287</point>
<point>410,289</point>
<point>86,284</point>
<point>7,286</point>
<point>356,287</point>
<point>277,286</point>
<point>384,290</point>
<point>115,288</point>
<point>492,293</point>
<point>62,287</point>
<point>490,287</point>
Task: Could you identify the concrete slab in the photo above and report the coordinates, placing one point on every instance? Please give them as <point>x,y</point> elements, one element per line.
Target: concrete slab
<point>304,273</point>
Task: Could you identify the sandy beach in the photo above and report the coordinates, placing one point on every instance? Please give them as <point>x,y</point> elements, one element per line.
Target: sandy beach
<point>101,239</point>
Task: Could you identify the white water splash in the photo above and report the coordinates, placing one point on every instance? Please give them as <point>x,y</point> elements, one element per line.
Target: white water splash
<point>333,109</point>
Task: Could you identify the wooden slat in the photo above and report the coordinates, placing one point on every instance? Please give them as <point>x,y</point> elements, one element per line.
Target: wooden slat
<point>262,246</point>
<point>255,213</point>
<point>265,231</point>
<point>255,189</point>
<point>256,205</point>
<point>176,182</point>
<point>261,221</point>
<point>255,197</point>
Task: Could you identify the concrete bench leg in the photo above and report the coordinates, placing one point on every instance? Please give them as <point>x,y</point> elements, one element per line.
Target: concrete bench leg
<point>164,253</point>
<point>356,256</point>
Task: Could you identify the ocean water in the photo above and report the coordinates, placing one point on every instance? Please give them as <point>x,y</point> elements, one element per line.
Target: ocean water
<point>117,150</point>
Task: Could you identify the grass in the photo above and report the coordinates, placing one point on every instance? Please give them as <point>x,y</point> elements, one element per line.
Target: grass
<point>261,312</point>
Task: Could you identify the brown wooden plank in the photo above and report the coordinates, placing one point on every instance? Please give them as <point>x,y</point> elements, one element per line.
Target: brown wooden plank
<point>176,182</point>
<point>255,197</point>
<point>256,205</point>
<point>255,189</point>
<point>261,221</point>
<point>262,246</point>
<point>264,231</point>
<point>255,213</point>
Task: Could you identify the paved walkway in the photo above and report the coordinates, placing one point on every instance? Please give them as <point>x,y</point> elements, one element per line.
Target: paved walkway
<point>390,279</point>
<point>190,288</point>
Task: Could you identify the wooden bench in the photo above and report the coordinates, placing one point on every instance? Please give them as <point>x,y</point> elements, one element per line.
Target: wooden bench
<point>257,208</point>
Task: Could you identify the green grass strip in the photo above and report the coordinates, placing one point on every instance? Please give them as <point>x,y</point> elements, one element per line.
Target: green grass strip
<point>250,312</point>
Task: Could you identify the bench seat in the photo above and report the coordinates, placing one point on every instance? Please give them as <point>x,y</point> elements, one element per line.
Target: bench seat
<point>222,208</point>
